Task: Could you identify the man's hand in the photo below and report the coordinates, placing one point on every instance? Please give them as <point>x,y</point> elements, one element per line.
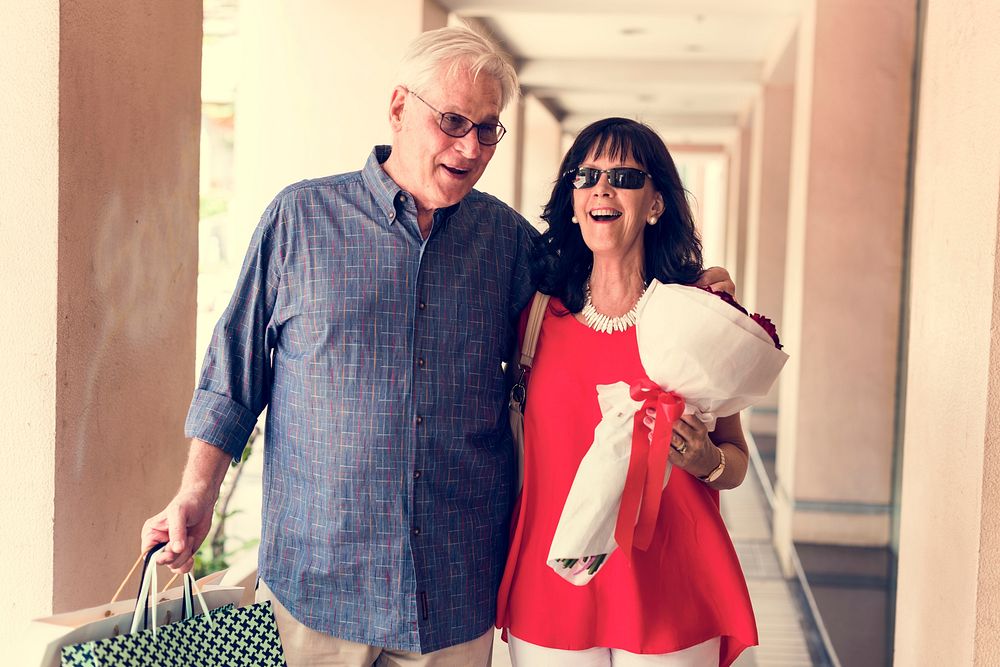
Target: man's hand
<point>183,525</point>
<point>717,278</point>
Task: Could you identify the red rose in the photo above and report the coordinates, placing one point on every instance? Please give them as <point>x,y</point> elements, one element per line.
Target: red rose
<point>727,297</point>
<point>764,322</point>
<point>768,326</point>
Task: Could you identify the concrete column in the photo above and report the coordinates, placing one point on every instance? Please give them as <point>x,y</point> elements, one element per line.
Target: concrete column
<point>843,270</point>
<point>703,172</point>
<point>503,178</point>
<point>738,196</point>
<point>313,91</point>
<point>948,593</point>
<point>98,255</point>
<point>541,142</point>
<point>29,246</point>
<point>767,216</point>
<point>691,168</point>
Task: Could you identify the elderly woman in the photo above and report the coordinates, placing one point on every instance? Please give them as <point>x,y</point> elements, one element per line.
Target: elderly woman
<point>618,218</point>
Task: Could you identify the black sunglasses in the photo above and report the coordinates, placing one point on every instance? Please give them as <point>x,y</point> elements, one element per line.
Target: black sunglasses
<point>626,178</point>
<point>456,125</point>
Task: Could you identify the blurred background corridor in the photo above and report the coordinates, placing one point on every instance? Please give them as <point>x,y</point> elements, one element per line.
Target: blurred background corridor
<point>843,163</point>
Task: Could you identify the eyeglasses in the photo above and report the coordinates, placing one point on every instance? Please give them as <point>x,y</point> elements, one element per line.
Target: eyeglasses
<point>457,125</point>
<point>625,178</point>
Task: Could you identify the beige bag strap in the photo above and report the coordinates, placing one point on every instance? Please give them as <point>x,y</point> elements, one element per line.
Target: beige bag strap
<point>128,576</point>
<point>535,317</point>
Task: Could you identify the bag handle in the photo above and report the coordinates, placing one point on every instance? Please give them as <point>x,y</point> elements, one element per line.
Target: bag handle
<point>190,585</point>
<point>147,592</point>
<point>121,586</point>
<point>149,582</point>
<point>519,391</point>
<point>535,317</point>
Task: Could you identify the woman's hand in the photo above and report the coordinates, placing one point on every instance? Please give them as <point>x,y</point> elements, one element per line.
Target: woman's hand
<point>690,447</point>
<point>718,279</point>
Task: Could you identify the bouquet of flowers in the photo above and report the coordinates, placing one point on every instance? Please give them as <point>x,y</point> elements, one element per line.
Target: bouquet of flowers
<point>703,355</point>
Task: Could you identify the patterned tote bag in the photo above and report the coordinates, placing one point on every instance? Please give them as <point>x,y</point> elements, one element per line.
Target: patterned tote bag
<point>226,637</point>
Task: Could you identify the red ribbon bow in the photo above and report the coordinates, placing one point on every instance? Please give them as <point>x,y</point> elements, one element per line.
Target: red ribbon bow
<point>646,466</point>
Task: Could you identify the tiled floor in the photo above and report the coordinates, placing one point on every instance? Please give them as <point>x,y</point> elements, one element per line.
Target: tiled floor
<point>851,586</point>
<point>780,622</point>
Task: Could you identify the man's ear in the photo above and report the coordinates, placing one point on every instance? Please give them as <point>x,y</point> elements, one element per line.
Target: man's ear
<point>396,105</point>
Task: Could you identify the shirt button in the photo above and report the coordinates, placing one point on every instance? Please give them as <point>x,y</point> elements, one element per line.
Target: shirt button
<point>419,420</point>
<point>392,216</point>
<point>421,305</point>
<point>420,362</point>
<point>416,531</point>
<point>417,474</point>
<point>401,197</point>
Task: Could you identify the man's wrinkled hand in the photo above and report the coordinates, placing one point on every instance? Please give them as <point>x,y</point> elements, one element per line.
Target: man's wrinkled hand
<point>183,525</point>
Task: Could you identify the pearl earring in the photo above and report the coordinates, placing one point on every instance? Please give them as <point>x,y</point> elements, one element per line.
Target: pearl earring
<point>575,221</point>
<point>652,219</point>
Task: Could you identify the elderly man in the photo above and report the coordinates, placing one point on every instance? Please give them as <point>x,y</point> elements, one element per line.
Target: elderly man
<point>371,316</point>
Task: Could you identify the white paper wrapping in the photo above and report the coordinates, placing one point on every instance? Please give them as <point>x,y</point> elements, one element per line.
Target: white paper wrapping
<point>693,343</point>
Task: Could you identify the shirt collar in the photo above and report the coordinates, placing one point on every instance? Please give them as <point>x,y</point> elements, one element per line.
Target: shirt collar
<point>388,195</point>
<point>383,188</point>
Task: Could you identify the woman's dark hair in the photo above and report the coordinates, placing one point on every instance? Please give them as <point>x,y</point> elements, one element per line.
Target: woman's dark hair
<point>672,247</point>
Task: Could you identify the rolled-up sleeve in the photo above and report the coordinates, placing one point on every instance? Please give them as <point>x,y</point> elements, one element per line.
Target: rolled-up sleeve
<point>236,376</point>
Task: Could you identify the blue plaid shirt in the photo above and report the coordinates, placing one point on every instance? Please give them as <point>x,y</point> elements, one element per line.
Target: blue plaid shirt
<point>388,466</point>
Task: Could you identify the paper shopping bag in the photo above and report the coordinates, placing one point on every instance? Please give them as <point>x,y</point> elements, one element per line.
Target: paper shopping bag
<point>225,637</point>
<point>45,637</point>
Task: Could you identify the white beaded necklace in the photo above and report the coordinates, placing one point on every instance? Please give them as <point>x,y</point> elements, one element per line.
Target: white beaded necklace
<point>604,323</point>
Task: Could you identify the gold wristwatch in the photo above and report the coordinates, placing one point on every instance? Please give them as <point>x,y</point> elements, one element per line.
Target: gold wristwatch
<point>717,473</point>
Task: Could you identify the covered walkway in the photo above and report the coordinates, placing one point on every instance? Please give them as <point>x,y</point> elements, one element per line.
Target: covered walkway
<point>849,177</point>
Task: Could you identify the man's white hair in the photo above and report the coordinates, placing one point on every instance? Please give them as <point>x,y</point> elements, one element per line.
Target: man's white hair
<point>455,48</point>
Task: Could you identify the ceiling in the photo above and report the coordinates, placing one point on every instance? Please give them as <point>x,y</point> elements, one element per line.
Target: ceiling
<point>690,68</point>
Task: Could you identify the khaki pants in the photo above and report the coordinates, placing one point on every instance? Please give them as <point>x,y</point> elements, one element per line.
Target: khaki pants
<point>305,647</point>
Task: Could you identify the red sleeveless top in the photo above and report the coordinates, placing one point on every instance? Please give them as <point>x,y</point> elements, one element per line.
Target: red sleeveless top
<point>685,589</point>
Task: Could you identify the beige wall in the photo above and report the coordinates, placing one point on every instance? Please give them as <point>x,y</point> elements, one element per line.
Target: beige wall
<point>102,172</point>
<point>314,88</point>
<point>541,155</point>
<point>703,170</point>
<point>738,198</point>
<point>502,178</point>
<point>128,222</point>
<point>767,215</point>
<point>843,271</point>
<point>763,271</point>
<point>948,601</point>
<point>710,207</point>
<point>987,636</point>
<point>29,232</point>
